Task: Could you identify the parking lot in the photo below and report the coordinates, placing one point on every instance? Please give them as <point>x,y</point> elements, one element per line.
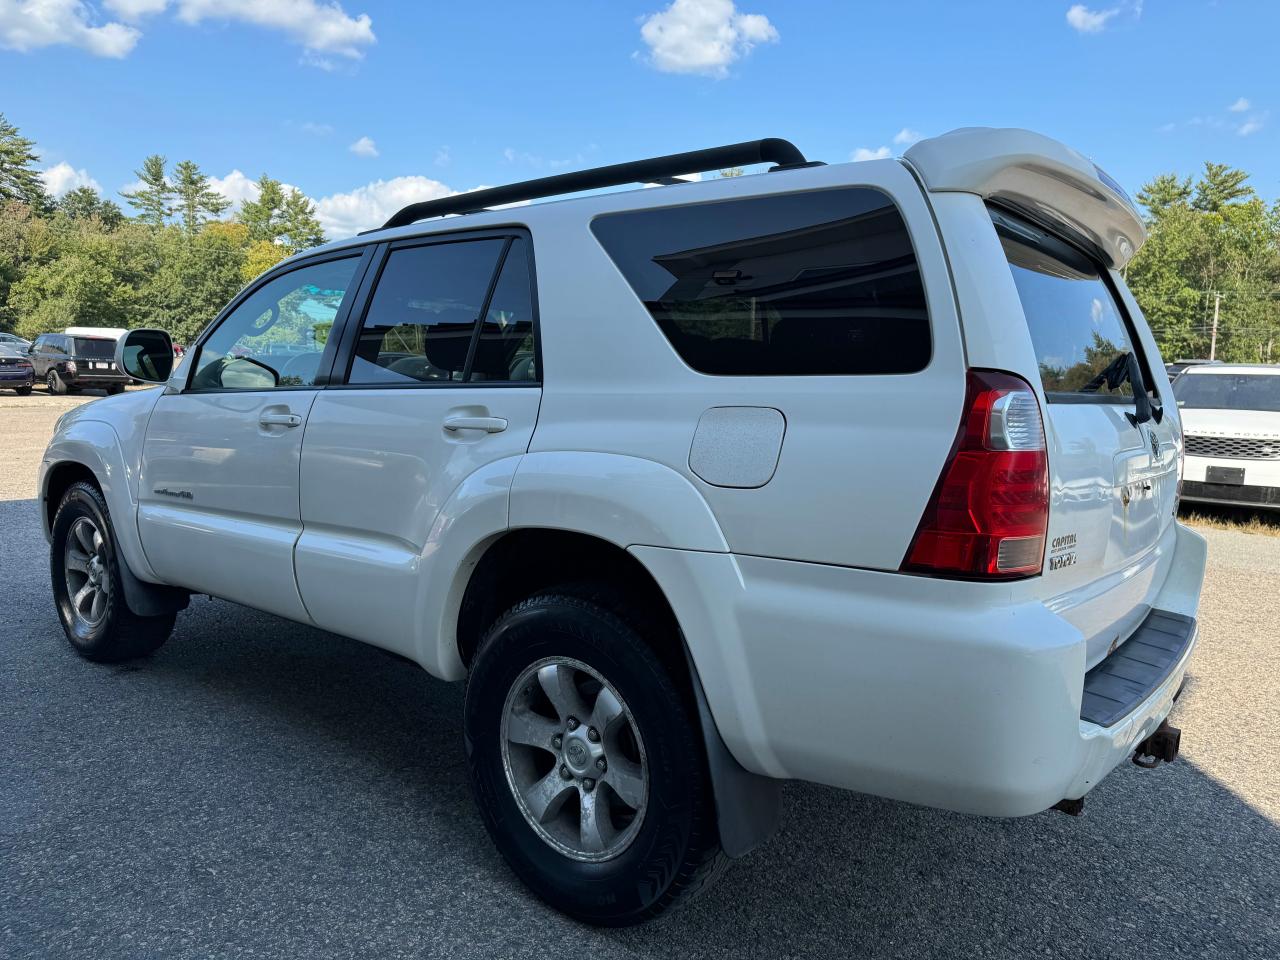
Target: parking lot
<point>259,788</point>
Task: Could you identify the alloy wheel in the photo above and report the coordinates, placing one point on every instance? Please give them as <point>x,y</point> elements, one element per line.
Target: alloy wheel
<point>87,577</point>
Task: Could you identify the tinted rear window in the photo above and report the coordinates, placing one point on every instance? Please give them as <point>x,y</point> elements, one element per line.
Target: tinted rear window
<point>1077,329</point>
<point>798,285</point>
<point>93,347</point>
<point>1228,391</point>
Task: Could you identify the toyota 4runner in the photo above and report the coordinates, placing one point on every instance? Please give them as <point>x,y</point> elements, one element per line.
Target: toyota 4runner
<point>862,474</point>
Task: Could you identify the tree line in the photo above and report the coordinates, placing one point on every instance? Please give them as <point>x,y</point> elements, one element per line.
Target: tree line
<point>1213,250</point>
<point>173,263</point>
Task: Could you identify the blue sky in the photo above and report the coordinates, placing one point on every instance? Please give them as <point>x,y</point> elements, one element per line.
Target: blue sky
<point>364,105</point>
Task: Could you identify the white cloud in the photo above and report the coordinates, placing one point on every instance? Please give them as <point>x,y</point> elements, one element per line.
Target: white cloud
<point>317,129</point>
<point>364,147</point>
<point>703,36</point>
<point>320,26</point>
<point>1085,20</point>
<point>866,153</point>
<point>136,9</point>
<point>32,24</point>
<point>345,214</point>
<point>236,187</point>
<point>906,136</point>
<point>1250,126</point>
<point>443,157</point>
<point>1240,106</point>
<point>62,178</point>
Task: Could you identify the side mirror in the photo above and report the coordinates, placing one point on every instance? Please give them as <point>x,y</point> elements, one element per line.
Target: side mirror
<point>145,355</point>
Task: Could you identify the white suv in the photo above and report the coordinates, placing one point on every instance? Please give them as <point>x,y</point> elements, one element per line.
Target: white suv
<point>1232,417</point>
<point>861,474</point>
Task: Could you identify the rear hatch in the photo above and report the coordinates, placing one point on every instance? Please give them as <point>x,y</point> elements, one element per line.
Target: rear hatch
<point>1113,475</point>
<point>94,355</point>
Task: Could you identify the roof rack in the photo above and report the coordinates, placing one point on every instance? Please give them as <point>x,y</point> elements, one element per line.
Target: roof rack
<point>784,154</point>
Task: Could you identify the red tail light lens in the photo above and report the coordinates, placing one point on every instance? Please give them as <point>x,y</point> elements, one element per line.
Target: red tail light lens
<point>990,510</point>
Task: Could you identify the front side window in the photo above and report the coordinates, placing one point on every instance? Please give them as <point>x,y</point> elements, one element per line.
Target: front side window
<point>1082,344</point>
<point>277,336</point>
<point>430,300</point>
<point>805,284</point>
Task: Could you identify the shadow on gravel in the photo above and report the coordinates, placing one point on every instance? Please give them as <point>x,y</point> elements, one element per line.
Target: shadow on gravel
<point>262,787</point>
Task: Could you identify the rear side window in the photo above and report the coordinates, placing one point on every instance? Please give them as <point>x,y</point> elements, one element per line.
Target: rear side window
<point>1082,343</point>
<point>821,283</point>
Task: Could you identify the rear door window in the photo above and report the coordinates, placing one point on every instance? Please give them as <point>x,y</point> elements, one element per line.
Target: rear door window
<point>1081,339</point>
<point>95,347</point>
<point>805,284</point>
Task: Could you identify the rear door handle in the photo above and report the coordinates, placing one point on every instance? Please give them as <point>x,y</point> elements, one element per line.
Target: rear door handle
<point>280,420</point>
<point>487,424</point>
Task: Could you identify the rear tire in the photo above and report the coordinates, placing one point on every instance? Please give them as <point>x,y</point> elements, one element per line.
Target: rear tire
<point>84,568</point>
<point>23,391</point>
<point>54,383</point>
<point>114,389</point>
<point>656,842</point>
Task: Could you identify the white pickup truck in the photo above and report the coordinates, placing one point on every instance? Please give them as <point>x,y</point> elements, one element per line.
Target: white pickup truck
<point>862,474</point>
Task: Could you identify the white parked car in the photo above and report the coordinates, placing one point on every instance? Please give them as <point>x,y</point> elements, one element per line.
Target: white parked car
<point>1231,417</point>
<point>861,474</point>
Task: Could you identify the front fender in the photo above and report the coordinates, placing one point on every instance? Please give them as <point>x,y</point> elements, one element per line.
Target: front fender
<point>627,501</point>
<point>96,445</point>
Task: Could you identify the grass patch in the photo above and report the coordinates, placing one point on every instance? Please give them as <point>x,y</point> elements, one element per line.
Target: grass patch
<point>1239,519</point>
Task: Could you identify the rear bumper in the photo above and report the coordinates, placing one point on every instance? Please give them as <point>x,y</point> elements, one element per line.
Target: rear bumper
<point>1231,494</point>
<point>953,695</point>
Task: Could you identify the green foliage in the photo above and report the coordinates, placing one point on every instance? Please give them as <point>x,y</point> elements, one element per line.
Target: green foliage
<point>19,179</point>
<point>84,203</point>
<point>82,262</point>
<point>196,201</point>
<point>282,218</point>
<point>155,195</point>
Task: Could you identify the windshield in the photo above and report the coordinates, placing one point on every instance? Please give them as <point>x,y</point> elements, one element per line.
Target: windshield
<point>95,347</point>
<point>1228,391</point>
<point>9,350</point>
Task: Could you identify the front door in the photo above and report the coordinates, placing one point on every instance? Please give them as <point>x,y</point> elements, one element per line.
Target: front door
<point>439,381</point>
<point>218,495</point>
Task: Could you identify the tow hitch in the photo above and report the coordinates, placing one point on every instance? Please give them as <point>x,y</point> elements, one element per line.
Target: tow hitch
<point>1161,745</point>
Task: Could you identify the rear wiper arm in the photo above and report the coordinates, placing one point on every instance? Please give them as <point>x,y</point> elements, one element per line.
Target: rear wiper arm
<point>1124,367</point>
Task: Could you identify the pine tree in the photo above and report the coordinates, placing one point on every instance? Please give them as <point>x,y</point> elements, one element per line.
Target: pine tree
<point>260,215</point>
<point>1219,186</point>
<point>154,197</point>
<point>84,203</point>
<point>19,179</point>
<point>196,201</point>
<point>300,228</point>
<point>1164,192</point>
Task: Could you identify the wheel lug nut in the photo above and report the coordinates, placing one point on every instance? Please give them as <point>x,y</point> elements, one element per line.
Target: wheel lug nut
<point>572,724</point>
<point>564,772</point>
<point>588,784</point>
<point>556,741</point>
<point>602,764</point>
<point>593,734</point>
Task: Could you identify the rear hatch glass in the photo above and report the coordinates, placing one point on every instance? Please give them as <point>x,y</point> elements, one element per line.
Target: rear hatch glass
<point>95,348</point>
<point>1113,481</point>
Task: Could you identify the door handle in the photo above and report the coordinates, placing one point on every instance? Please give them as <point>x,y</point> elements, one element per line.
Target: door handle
<point>487,424</point>
<point>280,420</point>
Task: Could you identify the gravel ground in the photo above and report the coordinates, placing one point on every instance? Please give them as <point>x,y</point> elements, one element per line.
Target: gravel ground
<point>261,789</point>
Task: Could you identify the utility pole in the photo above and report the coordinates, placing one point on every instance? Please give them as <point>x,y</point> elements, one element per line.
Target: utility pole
<point>1213,336</point>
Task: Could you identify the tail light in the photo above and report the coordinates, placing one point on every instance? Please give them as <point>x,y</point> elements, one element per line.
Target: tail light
<point>990,510</point>
<point>71,367</point>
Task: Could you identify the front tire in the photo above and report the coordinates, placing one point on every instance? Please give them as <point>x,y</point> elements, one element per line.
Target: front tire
<point>586,763</point>
<point>84,568</point>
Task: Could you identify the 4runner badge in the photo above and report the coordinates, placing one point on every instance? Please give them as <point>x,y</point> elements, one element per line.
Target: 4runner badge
<point>1155,445</point>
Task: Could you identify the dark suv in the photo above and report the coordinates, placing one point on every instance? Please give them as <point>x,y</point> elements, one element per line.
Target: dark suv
<point>69,363</point>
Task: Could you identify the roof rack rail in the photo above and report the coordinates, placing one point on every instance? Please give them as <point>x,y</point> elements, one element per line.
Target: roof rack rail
<point>784,154</point>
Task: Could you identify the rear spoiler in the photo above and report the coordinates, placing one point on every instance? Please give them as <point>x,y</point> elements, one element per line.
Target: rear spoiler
<point>1038,176</point>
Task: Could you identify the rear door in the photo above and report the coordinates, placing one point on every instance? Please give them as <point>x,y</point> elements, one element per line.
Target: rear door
<point>218,496</point>
<point>438,380</point>
<point>1114,479</point>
